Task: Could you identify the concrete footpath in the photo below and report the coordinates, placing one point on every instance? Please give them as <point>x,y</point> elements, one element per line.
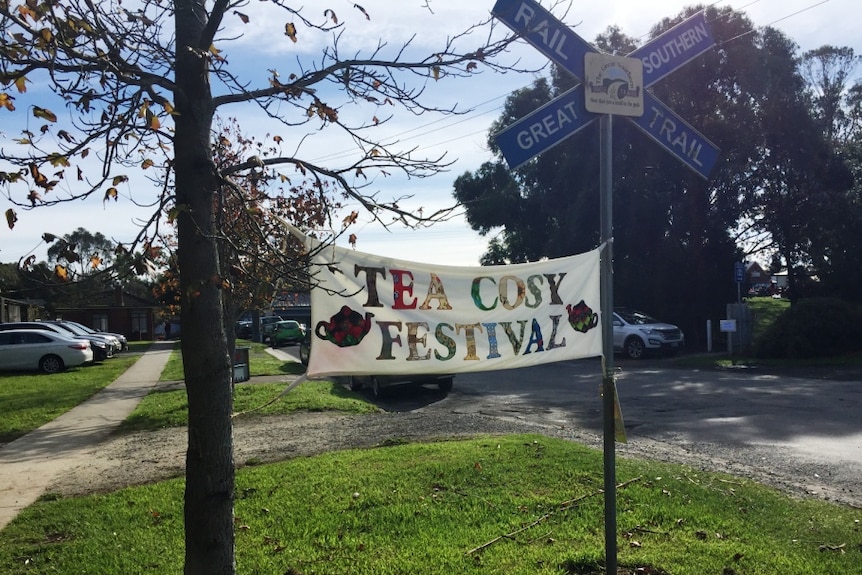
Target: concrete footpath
<point>29,464</point>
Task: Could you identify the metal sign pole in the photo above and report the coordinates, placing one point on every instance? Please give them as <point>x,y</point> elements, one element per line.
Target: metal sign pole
<point>607,304</point>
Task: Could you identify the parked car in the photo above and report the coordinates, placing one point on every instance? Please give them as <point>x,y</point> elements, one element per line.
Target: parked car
<point>636,334</point>
<point>79,329</point>
<point>124,341</point>
<point>102,350</point>
<point>243,330</point>
<point>379,383</point>
<point>43,350</point>
<point>286,332</point>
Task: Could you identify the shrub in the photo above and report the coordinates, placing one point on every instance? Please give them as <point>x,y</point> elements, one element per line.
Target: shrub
<point>816,327</point>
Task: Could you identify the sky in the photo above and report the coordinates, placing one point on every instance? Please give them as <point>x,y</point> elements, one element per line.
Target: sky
<point>810,23</point>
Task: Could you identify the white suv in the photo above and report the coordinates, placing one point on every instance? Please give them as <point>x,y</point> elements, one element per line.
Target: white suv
<point>636,333</point>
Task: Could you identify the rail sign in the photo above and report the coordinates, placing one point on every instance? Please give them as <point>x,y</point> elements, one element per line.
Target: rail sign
<point>557,120</point>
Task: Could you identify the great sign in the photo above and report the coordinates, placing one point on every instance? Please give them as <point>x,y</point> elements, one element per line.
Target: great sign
<point>563,117</point>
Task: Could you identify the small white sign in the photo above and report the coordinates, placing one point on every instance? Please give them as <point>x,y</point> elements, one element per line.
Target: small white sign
<point>615,84</point>
<point>727,325</point>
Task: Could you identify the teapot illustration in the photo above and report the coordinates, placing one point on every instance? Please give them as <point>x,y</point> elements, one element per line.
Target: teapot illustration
<point>581,317</point>
<point>346,328</point>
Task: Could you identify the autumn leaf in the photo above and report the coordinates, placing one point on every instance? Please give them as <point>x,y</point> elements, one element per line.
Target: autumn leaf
<point>11,218</point>
<point>331,15</point>
<point>58,160</point>
<point>44,114</point>
<point>436,72</point>
<point>169,109</point>
<point>119,180</point>
<point>111,193</point>
<point>6,101</point>
<point>148,163</point>
<point>242,17</point>
<point>277,139</point>
<point>48,237</point>
<point>352,240</point>
<point>38,177</point>
<point>61,272</point>
<point>376,120</point>
<point>361,9</point>
<point>64,135</point>
<point>472,66</point>
<point>290,31</point>
<point>95,261</point>
<point>21,84</point>
<point>350,219</point>
<point>375,153</point>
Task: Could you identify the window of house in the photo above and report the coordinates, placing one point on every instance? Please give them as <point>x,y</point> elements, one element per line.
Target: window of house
<point>100,322</point>
<point>139,323</point>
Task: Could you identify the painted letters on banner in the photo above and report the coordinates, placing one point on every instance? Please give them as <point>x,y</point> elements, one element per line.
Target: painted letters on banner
<point>373,315</point>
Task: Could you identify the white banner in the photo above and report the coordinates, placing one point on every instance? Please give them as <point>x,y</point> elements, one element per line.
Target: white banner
<point>372,315</point>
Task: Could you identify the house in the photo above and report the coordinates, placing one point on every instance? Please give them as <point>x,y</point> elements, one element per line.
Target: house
<point>20,310</point>
<point>115,311</point>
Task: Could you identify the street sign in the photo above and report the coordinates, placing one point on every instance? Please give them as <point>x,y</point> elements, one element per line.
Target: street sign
<point>530,136</point>
<point>739,272</point>
<point>677,136</point>
<point>545,32</point>
<point>544,128</point>
<point>675,48</point>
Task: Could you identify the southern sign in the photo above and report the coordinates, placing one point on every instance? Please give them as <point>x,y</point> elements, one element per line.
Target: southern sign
<point>660,57</point>
<point>676,47</point>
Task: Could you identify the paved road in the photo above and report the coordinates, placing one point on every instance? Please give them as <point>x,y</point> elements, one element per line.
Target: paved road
<point>799,427</point>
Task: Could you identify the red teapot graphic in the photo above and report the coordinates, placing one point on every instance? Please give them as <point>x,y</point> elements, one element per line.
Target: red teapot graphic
<point>346,328</point>
<point>581,317</point>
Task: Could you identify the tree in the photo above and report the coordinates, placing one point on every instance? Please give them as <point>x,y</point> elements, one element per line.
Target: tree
<point>142,84</point>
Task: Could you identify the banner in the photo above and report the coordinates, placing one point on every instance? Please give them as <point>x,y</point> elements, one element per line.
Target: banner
<point>372,315</point>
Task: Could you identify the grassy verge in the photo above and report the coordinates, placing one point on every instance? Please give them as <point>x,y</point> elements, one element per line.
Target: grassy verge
<point>506,505</point>
<point>169,408</point>
<point>260,363</point>
<point>28,401</point>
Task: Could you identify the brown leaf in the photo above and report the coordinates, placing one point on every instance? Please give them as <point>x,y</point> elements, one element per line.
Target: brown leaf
<point>435,71</point>
<point>361,9</point>
<point>290,31</point>
<point>119,180</point>
<point>11,218</point>
<point>242,17</point>
<point>352,240</point>
<point>148,163</point>
<point>61,272</point>
<point>21,84</point>
<point>6,101</point>
<point>331,15</point>
<point>45,114</point>
<point>95,261</point>
<point>350,219</point>
<point>111,194</point>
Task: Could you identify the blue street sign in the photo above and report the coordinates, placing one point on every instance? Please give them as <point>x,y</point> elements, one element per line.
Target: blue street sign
<point>544,31</point>
<point>676,136</point>
<point>739,272</point>
<point>545,127</point>
<point>675,48</point>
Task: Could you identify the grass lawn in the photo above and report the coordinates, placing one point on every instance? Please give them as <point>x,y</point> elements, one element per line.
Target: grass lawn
<point>30,400</point>
<point>511,505</point>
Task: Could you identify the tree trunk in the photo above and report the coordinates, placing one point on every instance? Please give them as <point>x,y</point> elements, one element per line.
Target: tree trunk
<point>209,493</point>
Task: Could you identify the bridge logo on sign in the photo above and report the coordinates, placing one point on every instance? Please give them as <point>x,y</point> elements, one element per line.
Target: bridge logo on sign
<point>614,84</point>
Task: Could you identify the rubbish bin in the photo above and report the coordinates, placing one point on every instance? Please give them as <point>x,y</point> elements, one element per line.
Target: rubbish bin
<point>240,364</point>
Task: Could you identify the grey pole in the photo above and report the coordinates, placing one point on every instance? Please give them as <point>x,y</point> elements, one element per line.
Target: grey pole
<point>607,305</point>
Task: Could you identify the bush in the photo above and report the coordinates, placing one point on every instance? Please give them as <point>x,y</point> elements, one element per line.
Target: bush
<point>816,327</point>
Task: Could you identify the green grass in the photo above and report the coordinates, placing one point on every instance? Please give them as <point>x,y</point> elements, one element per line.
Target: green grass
<point>30,400</point>
<point>260,363</point>
<point>169,408</point>
<point>765,311</point>
<point>510,505</point>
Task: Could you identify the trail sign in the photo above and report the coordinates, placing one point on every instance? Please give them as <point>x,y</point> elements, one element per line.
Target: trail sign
<point>662,56</point>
